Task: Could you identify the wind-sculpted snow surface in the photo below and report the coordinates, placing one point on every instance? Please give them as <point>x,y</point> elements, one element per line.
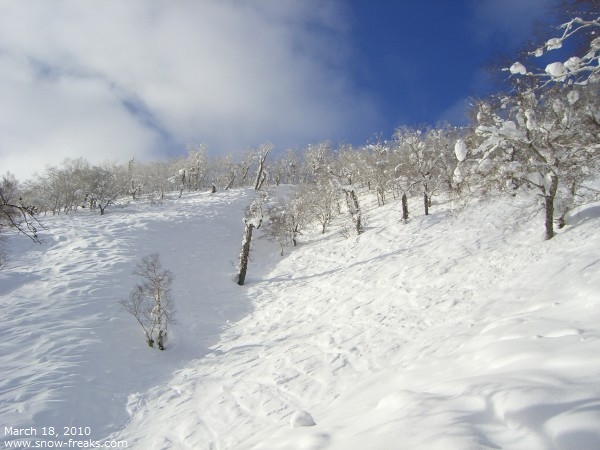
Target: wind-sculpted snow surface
<point>70,356</point>
<point>451,331</point>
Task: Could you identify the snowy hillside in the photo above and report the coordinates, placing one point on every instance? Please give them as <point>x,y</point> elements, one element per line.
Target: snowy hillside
<point>453,331</point>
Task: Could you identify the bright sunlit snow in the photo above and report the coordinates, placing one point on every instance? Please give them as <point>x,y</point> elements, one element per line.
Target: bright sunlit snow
<point>556,70</point>
<point>458,330</point>
<point>518,68</point>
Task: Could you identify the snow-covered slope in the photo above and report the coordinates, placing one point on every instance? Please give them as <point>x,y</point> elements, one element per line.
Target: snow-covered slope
<point>454,331</point>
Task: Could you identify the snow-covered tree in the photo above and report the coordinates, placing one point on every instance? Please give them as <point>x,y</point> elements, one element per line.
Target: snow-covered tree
<point>316,163</point>
<point>151,302</point>
<point>104,184</point>
<point>320,201</point>
<point>545,135</point>
<point>441,140</point>
<point>243,167</point>
<point>289,217</point>
<point>59,188</point>
<point>135,186</point>
<point>421,160</point>
<point>223,172</point>
<point>157,179</point>
<point>197,166</point>
<point>378,169</point>
<point>546,141</point>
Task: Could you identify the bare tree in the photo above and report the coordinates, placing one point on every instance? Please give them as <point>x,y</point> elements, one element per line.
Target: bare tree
<point>150,302</point>
<point>14,212</point>
<point>378,167</point>
<point>104,185</point>
<point>136,185</point>
<point>287,219</point>
<point>320,202</point>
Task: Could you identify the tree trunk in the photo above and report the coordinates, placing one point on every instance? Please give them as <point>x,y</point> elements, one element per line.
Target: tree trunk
<point>404,207</point>
<point>244,176</point>
<point>230,184</point>
<point>262,180</point>
<point>549,206</point>
<point>160,340</point>
<point>325,222</point>
<point>354,208</point>
<point>245,255</point>
<point>380,196</point>
<point>426,203</point>
<point>261,165</point>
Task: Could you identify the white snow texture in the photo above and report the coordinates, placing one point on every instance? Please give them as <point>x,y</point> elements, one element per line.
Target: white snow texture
<point>452,331</point>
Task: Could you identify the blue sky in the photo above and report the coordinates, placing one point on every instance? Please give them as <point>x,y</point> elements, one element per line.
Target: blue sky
<point>422,60</point>
<point>112,79</point>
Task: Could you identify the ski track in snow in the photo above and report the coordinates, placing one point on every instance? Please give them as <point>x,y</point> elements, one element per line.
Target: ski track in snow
<point>452,331</point>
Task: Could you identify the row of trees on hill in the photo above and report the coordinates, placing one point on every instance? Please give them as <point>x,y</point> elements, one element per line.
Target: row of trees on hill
<point>78,184</point>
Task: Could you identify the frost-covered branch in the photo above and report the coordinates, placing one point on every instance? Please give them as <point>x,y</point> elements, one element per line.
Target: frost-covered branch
<point>579,69</point>
<point>15,212</point>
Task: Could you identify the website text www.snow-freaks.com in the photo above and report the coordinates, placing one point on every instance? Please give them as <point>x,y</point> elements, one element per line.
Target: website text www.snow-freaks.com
<point>71,443</point>
<point>55,437</point>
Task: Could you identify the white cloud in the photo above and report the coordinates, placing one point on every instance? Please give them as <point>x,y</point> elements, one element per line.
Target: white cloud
<point>113,79</point>
<point>512,21</point>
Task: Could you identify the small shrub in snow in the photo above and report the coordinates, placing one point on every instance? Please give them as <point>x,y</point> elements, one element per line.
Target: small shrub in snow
<point>150,302</point>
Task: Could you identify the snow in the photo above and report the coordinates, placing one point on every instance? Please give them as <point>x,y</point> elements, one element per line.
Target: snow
<point>573,97</point>
<point>518,69</point>
<point>554,44</point>
<point>573,63</point>
<point>255,221</point>
<point>302,419</point>
<point>453,331</point>
<point>460,150</point>
<point>556,70</point>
